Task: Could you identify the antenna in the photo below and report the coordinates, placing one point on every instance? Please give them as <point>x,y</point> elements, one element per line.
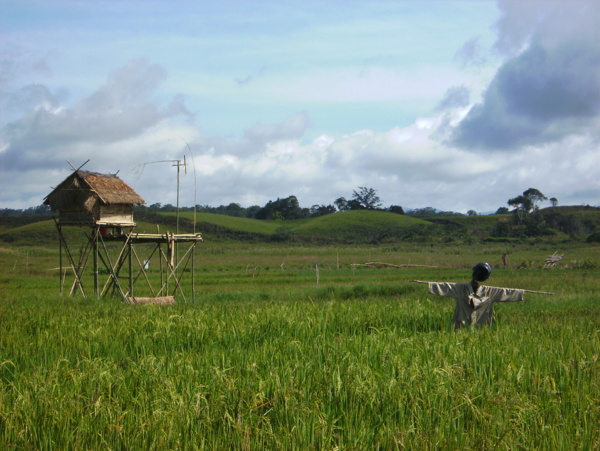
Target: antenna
<point>195,183</point>
<point>139,169</point>
<point>179,165</point>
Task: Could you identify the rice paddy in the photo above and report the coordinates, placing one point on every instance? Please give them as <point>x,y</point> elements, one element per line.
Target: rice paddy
<point>287,347</point>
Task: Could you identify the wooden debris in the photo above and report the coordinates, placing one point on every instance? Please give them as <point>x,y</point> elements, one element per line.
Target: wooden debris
<point>552,260</point>
<point>163,300</point>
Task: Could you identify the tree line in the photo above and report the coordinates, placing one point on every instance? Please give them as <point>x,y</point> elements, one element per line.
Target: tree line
<point>363,198</point>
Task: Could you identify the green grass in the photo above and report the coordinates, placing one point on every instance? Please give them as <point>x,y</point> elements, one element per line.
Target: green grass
<point>273,354</point>
<point>350,225</point>
<point>267,358</point>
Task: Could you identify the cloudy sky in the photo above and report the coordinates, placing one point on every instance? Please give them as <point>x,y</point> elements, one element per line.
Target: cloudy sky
<point>455,105</point>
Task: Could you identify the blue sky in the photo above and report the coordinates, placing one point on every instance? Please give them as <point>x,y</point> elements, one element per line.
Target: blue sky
<point>456,105</point>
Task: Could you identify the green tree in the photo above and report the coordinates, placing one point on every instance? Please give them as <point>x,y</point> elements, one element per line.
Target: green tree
<point>321,210</point>
<point>396,209</point>
<point>367,198</point>
<point>554,202</point>
<point>288,208</point>
<point>341,203</point>
<point>535,196</point>
<point>522,206</point>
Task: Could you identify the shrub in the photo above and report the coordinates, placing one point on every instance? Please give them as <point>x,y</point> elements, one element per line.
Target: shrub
<point>593,238</point>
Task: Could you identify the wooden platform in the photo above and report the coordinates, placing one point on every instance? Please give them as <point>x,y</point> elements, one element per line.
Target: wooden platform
<point>156,237</point>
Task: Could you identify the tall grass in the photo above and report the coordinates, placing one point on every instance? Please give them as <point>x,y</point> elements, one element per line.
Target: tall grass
<point>270,359</point>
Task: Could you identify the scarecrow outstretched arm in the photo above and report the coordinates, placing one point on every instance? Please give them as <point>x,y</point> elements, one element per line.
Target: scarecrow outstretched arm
<point>526,291</point>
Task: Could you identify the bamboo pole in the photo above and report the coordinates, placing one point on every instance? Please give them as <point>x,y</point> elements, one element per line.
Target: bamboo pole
<point>526,291</point>
<point>95,250</point>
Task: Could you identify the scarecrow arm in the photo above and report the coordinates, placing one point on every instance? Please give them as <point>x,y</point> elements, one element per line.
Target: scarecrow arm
<point>526,291</point>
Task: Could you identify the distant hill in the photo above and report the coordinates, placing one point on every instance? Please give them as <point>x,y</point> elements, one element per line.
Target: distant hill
<point>356,226</point>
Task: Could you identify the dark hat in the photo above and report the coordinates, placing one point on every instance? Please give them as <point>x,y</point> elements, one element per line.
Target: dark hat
<point>482,271</point>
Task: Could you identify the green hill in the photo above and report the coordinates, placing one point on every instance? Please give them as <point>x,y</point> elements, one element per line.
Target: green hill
<point>358,226</point>
<point>350,226</point>
<point>353,226</point>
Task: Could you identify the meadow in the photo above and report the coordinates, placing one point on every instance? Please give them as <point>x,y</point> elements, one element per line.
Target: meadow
<point>301,347</point>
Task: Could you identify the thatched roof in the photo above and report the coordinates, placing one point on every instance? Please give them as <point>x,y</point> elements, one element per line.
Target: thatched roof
<point>87,188</point>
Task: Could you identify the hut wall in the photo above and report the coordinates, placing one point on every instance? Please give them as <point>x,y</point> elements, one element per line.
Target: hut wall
<point>119,214</point>
<point>75,217</point>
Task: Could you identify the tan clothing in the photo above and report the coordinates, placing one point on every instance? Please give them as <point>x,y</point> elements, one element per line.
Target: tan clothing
<point>474,308</point>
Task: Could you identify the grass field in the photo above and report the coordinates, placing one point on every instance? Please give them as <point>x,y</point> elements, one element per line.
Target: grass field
<point>299,347</point>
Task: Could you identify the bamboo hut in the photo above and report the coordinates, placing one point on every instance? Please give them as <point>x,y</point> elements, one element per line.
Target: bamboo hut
<point>105,203</point>
<point>91,199</point>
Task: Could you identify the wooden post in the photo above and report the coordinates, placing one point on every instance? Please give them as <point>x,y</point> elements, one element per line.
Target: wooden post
<point>130,269</point>
<point>95,250</point>
<point>160,263</point>
<point>60,246</point>
<point>193,272</point>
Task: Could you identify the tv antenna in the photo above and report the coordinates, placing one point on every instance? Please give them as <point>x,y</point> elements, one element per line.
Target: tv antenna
<point>139,169</point>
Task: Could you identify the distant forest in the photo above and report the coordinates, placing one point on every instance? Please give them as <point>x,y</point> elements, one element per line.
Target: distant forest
<point>289,208</point>
<point>282,208</point>
<point>278,209</point>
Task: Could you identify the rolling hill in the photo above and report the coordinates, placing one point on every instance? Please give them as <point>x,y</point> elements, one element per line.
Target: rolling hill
<point>357,226</point>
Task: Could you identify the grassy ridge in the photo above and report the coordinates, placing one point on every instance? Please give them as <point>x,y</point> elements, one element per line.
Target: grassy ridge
<point>360,226</point>
<point>354,225</point>
<point>344,226</point>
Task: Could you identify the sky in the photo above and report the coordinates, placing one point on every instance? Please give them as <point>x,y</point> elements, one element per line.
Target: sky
<point>454,105</point>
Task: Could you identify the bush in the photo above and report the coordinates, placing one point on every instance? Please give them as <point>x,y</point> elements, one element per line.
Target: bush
<point>593,238</point>
<point>587,263</point>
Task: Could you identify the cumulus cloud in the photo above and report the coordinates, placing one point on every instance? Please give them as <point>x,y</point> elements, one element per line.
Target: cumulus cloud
<point>121,109</point>
<point>547,90</point>
<point>110,126</point>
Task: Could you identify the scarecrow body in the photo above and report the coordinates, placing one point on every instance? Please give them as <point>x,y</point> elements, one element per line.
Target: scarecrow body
<point>474,306</point>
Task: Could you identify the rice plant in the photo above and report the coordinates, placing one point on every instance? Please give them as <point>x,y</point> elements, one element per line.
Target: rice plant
<point>272,360</point>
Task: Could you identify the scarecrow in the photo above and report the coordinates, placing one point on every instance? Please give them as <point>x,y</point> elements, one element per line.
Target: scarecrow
<point>475,302</point>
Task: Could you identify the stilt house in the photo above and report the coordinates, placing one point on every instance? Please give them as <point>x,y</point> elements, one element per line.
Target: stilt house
<point>91,199</point>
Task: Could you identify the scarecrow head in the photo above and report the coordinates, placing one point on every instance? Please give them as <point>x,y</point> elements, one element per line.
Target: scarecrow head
<point>482,272</point>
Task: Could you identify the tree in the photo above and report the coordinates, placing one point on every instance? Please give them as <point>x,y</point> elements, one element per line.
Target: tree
<point>288,208</point>
<point>367,198</point>
<point>252,211</point>
<point>522,206</point>
<point>554,202</point>
<point>471,213</point>
<point>535,196</point>
<point>396,209</point>
<point>341,203</point>
<point>321,210</point>
<point>426,211</point>
<point>502,211</point>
